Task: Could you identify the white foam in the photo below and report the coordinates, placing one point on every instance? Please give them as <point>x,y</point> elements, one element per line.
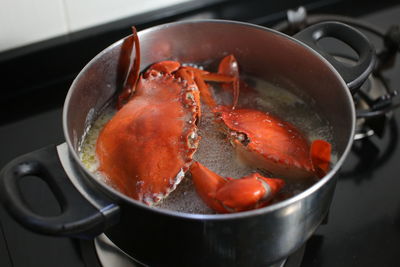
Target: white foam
<point>88,148</point>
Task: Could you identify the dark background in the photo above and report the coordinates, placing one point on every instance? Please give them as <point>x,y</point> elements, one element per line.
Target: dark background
<point>37,77</point>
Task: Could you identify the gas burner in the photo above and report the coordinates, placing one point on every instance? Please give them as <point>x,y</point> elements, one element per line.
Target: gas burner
<point>374,100</point>
<point>103,252</point>
<point>111,255</point>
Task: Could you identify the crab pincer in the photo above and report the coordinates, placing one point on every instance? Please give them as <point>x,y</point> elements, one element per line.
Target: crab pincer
<point>227,195</point>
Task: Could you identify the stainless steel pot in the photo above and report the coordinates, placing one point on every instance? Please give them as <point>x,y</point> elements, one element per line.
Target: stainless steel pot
<point>159,237</point>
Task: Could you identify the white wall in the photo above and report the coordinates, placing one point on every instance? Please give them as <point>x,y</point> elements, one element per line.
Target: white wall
<point>24,22</point>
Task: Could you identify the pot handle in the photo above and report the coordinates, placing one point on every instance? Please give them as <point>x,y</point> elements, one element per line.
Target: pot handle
<point>78,218</point>
<point>354,75</point>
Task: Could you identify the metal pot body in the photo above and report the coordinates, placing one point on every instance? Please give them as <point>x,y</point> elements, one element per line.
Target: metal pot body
<point>256,238</point>
<point>158,237</point>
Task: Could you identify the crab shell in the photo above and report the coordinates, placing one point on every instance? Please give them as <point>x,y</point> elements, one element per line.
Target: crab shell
<point>147,147</point>
<point>267,143</point>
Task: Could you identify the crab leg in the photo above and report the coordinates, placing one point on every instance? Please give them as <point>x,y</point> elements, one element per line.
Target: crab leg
<point>167,66</point>
<point>227,74</point>
<point>227,195</point>
<point>201,77</point>
<point>229,66</point>
<point>203,87</point>
<point>223,78</point>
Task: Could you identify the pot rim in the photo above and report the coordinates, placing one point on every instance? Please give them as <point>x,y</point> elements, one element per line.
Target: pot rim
<point>213,217</point>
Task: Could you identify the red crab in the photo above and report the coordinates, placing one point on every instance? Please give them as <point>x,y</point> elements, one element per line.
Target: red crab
<point>264,142</point>
<point>147,147</point>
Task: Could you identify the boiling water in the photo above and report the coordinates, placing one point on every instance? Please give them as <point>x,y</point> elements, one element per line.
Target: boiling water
<point>215,151</point>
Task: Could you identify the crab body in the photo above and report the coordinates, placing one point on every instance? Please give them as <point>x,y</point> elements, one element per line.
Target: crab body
<point>268,143</point>
<point>146,148</point>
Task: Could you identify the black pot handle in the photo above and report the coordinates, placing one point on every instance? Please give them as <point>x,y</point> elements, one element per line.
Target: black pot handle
<point>78,218</point>
<point>355,75</point>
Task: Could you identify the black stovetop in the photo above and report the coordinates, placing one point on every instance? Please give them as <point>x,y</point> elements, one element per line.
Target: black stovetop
<point>362,229</point>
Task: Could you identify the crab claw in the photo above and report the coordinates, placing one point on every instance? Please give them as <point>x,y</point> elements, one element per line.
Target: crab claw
<point>133,76</point>
<point>271,144</point>
<point>226,195</point>
<point>320,153</point>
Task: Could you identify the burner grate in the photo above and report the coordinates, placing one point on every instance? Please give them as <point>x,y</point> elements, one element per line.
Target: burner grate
<point>375,99</point>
